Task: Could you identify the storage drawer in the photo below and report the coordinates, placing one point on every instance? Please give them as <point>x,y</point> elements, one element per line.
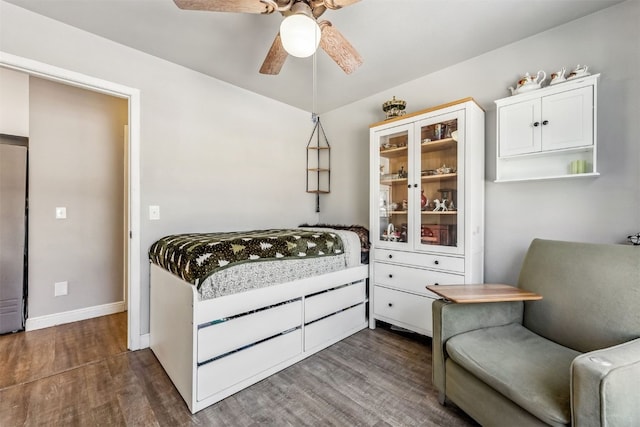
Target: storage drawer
<point>438,262</point>
<point>220,374</point>
<point>413,279</point>
<point>329,302</point>
<point>329,328</point>
<point>221,338</point>
<point>407,310</point>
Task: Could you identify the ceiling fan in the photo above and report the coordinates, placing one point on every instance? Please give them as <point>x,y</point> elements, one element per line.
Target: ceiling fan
<point>331,40</point>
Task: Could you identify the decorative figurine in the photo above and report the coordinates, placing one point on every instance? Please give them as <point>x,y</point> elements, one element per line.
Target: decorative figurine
<point>440,205</point>
<point>529,82</point>
<point>394,108</point>
<point>579,71</point>
<point>558,76</point>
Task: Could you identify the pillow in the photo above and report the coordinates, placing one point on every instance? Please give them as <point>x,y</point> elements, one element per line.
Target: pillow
<point>362,232</point>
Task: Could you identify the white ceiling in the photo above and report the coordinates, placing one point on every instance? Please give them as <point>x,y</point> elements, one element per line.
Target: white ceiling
<point>399,40</point>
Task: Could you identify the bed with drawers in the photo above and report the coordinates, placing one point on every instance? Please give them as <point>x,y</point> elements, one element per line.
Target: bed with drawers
<point>229,309</point>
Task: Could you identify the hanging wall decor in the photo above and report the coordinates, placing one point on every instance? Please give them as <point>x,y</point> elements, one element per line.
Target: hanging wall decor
<point>318,162</point>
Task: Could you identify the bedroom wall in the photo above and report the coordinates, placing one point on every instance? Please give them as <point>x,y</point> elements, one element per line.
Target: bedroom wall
<point>76,161</point>
<point>14,103</point>
<point>605,209</point>
<point>213,156</point>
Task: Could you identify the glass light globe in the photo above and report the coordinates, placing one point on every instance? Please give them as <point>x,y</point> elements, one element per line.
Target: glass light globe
<point>300,35</point>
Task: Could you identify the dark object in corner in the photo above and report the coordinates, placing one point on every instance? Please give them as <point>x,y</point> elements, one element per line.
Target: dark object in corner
<point>634,239</point>
<point>362,232</point>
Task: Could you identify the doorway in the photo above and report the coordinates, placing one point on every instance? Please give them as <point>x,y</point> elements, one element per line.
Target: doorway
<point>14,185</point>
<point>132,96</point>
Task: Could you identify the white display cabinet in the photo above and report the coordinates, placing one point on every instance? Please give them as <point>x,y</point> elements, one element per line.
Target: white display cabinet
<point>427,209</point>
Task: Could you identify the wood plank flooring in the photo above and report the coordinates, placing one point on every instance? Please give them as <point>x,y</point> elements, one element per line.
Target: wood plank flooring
<point>80,374</point>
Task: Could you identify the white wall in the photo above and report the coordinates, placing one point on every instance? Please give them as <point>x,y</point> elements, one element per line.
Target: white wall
<point>14,103</point>
<point>605,209</point>
<point>213,156</point>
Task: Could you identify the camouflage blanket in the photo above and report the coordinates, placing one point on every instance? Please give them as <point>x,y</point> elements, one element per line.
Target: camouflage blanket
<point>194,257</point>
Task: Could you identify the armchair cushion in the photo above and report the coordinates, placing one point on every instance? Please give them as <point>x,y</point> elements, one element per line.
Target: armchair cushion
<point>530,370</point>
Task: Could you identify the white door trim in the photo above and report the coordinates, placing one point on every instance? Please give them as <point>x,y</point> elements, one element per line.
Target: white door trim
<point>50,72</point>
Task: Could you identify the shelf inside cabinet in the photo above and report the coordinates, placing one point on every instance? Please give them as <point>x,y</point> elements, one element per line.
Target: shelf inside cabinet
<point>439,212</point>
<point>393,181</point>
<point>439,177</point>
<point>392,153</point>
<point>440,144</point>
<point>398,213</point>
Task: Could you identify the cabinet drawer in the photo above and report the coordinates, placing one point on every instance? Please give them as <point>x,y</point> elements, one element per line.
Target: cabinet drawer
<point>413,279</point>
<point>439,262</point>
<point>221,338</point>
<point>220,374</point>
<point>330,302</point>
<point>406,310</point>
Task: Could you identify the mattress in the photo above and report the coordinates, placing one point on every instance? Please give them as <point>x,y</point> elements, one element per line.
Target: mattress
<point>251,273</point>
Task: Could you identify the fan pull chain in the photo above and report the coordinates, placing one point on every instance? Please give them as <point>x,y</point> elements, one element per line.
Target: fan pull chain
<point>314,84</point>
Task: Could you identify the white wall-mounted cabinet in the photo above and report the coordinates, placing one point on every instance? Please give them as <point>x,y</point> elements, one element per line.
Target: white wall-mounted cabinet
<point>427,209</point>
<point>543,133</point>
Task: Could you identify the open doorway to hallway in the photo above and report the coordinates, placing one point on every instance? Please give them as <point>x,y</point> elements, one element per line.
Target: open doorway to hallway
<point>77,216</point>
<point>135,340</point>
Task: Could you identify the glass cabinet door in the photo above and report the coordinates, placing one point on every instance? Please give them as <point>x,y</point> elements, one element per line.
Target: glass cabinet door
<point>394,172</point>
<point>440,158</point>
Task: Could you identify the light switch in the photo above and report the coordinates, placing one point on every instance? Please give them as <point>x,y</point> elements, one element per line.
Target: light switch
<point>61,213</point>
<point>154,212</point>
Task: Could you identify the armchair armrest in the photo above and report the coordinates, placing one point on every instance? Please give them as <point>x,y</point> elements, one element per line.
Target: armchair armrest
<point>604,386</point>
<point>450,319</point>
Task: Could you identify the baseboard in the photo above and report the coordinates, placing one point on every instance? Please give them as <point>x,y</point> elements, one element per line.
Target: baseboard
<point>49,320</point>
<point>144,341</point>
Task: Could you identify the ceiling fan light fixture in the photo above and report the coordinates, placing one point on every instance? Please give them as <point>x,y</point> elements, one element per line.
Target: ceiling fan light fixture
<point>300,34</point>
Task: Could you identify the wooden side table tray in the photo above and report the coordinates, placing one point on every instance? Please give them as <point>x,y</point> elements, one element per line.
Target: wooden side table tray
<point>482,293</point>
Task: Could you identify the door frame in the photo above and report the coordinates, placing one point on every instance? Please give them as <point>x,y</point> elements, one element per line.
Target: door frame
<point>132,95</point>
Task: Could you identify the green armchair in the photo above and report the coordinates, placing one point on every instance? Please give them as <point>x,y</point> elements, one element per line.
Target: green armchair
<point>572,358</point>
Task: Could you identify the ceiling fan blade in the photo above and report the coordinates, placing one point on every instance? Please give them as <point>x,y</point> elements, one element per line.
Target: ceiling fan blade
<point>338,48</point>
<point>239,6</point>
<point>275,57</point>
<point>337,4</point>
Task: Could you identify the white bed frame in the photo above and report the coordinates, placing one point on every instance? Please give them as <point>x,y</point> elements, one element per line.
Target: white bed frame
<point>262,331</point>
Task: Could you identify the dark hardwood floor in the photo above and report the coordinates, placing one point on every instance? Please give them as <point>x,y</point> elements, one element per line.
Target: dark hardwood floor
<point>81,374</point>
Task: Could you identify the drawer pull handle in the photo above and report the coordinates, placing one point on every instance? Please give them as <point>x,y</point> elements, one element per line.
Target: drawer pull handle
<point>391,276</point>
<point>390,256</point>
<point>390,304</point>
<point>436,262</point>
<point>436,284</point>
